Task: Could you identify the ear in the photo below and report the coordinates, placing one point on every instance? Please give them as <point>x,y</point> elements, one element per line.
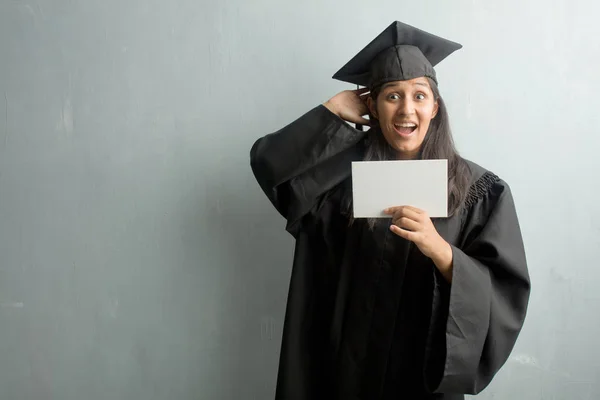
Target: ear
<point>372,106</point>
<point>436,107</point>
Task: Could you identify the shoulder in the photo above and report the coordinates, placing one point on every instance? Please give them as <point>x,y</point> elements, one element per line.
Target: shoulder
<point>484,185</point>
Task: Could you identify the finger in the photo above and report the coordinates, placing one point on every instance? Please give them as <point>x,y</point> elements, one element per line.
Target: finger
<point>402,213</point>
<point>415,209</point>
<point>403,233</point>
<point>410,213</point>
<point>406,211</point>
<point>392,210</point>
<point>407,224</point>
<point>361,112</point>
<point>362,108</point>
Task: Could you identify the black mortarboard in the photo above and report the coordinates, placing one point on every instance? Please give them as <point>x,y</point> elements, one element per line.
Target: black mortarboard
<point>399,53</point>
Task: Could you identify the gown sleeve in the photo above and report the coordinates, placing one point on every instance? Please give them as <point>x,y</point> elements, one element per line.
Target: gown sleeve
<point>476,319</point>
<point>297,164</point>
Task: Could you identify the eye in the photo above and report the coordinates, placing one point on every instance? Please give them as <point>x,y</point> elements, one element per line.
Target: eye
<point>420,96</point>
<point>393,96</point>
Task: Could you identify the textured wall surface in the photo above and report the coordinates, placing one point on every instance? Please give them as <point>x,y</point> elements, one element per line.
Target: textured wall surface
<point>138,257</point>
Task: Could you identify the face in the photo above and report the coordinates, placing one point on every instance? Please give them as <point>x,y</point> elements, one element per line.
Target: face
<point>405,110</point>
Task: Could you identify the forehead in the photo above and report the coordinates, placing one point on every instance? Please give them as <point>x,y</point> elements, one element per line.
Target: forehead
<point>420,83</point>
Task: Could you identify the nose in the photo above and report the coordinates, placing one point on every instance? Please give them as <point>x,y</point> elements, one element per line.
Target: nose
<point>406,107</point>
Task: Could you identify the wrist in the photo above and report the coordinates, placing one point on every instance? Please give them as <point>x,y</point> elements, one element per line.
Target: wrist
<point>443,260</point>
<point>331,107</point>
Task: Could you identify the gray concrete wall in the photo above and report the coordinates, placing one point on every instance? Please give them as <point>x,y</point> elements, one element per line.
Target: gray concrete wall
<point>139,259</point>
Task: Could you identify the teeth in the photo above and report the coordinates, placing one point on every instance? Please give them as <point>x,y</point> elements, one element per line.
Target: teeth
<point>406,125</point>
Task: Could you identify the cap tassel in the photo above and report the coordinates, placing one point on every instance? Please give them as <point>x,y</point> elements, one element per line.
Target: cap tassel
<point>359,126</point>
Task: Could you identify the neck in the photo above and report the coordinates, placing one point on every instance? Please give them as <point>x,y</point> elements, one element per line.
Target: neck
<point>401,155</point>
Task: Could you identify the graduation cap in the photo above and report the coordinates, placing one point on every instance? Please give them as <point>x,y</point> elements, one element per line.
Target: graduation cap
<point>399,53</point>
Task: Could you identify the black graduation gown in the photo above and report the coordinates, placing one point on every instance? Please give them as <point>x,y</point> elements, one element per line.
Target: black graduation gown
<point>368,316</point>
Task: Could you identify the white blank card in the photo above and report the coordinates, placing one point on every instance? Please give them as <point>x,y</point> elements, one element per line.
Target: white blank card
<point>377,185</point>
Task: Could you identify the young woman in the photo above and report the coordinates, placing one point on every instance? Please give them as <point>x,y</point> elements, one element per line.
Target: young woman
<point>399,308</point>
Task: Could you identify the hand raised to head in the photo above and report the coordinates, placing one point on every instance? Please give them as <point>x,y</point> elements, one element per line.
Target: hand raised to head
<point>350,105</point>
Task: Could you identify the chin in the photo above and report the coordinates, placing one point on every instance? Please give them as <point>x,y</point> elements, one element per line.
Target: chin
<point>407,147</point>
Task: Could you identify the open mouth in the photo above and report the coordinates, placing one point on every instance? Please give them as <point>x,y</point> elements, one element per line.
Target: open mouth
<point>406,128</point>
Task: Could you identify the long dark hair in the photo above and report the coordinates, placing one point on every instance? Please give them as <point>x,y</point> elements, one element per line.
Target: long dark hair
<point>438,144</point>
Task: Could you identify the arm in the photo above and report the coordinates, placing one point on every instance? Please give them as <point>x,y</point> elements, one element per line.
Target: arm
<point>476,319</point>
<point>297,164</point>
